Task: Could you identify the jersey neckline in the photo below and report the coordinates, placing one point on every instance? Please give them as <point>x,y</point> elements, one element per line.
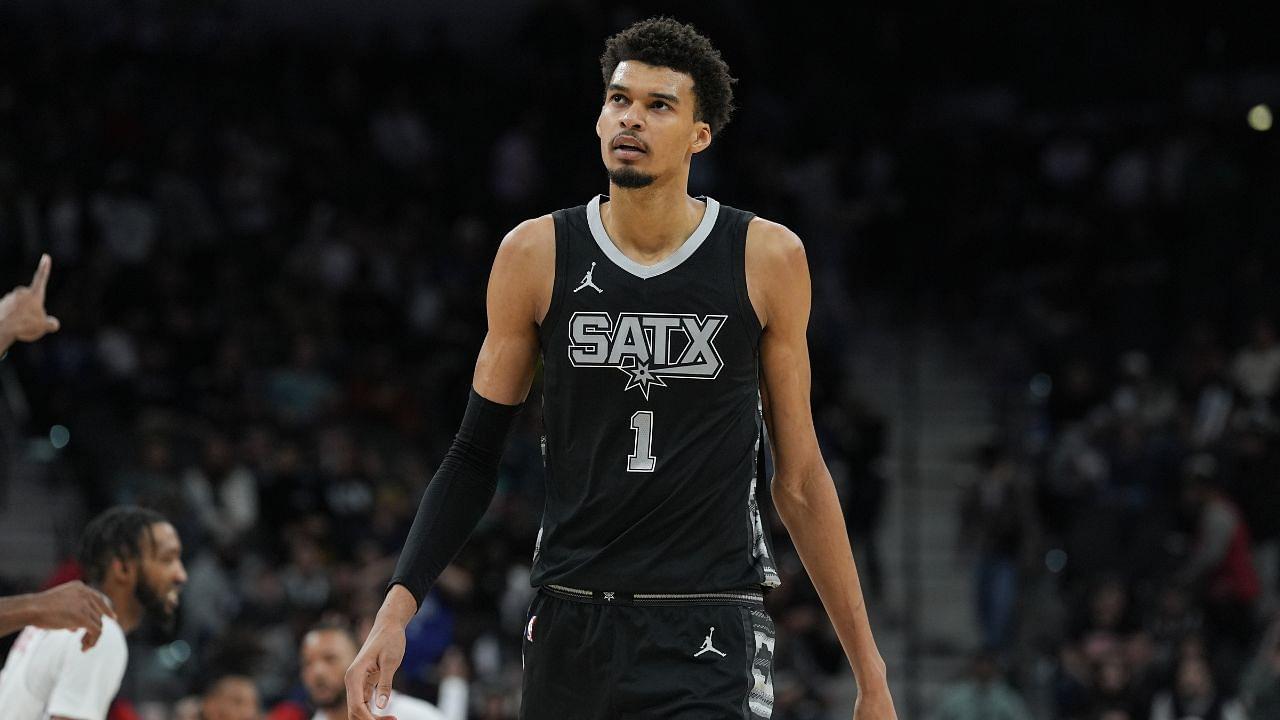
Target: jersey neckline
<point>671,261</point>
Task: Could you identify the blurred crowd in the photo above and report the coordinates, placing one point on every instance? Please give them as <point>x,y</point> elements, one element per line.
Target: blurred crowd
<point>1124,527</point>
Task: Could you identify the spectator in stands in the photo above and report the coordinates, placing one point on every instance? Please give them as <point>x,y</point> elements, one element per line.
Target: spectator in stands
<point>1260,689</point>
<point>231,697</point>
<point>984,695</point>
<point>1256,367</point>
<point>1194,694</point>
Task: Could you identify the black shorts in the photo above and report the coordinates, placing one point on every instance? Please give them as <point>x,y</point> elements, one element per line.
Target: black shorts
<point>617,657</point>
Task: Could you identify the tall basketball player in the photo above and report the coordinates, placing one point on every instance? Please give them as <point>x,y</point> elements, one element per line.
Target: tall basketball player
<point>672,333</point>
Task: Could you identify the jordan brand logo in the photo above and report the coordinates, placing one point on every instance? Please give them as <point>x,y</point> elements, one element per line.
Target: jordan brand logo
<point>707,646</point>
<point>588,282</point>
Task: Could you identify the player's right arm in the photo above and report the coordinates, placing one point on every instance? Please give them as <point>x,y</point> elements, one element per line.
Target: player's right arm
<point>519,293</point>
<point>69,606</point>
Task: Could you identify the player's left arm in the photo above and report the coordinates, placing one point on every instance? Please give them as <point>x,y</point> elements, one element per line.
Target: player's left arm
<point>803,492</point>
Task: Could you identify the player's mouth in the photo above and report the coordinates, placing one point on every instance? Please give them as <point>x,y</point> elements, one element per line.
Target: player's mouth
<point>627,147</point>
<point>171,599</point>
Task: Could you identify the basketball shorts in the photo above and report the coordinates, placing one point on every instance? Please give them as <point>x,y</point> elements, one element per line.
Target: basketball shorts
<point>615,656</point>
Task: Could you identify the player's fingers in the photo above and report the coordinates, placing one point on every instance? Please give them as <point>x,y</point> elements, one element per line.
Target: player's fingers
<point>358,686</point>
<point>51,324</point>
<point>382,694</point>
<point>90,637</point>
<point>41,277</point>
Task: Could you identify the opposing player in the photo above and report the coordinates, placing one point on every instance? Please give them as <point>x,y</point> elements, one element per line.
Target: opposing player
<point>134,557</point>
<point>672,333</point>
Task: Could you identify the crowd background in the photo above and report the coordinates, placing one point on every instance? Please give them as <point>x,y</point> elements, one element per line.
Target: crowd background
<point>271,232</point>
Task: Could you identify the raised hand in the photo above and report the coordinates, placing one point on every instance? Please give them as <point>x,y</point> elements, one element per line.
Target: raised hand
<point>22,314</point>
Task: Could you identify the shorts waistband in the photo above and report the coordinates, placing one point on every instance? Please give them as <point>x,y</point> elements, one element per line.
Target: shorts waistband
<point>617,597</point>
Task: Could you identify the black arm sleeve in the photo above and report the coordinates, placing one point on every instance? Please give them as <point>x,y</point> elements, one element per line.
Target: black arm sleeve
<point>457,497</point>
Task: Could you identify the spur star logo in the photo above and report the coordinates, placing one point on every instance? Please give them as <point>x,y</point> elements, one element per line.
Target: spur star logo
<point>649,348</point>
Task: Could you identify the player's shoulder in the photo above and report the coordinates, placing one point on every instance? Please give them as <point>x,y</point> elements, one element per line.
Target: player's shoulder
<point>772,242</point>
<point>112,647</point>
<point>532,235</point>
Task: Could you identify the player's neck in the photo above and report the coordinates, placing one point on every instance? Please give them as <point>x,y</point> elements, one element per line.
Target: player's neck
<point>128,609</point>
<point>649,223</point>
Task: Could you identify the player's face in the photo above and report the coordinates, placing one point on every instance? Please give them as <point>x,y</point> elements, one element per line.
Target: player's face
<point>326,655</point>
<point>233,699</point>
<point>646,126</point>
<point>162,573</point>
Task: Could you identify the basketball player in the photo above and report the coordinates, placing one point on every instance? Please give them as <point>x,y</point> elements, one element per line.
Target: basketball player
<point>22,315</point>
<point>134,557</point>
<point>231,697</point>
<point>672,334</point>
<point>327,651</point>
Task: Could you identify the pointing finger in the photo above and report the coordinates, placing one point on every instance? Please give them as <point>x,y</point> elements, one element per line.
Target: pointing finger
<point>41,278</point>
<point>52,324</point>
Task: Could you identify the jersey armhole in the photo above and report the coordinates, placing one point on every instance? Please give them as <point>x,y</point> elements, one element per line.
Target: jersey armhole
<point>750,321</point>
<point>562,260</point>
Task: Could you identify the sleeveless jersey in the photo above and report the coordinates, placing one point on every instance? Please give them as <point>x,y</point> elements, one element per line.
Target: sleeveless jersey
<point>652,417</point>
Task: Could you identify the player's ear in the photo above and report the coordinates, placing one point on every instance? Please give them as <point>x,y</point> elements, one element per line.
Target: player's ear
<point>124,571</point>
<point>701,136</point>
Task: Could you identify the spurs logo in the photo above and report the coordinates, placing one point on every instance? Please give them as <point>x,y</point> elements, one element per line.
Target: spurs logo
<point>608,596</point>
<point>648,348</point>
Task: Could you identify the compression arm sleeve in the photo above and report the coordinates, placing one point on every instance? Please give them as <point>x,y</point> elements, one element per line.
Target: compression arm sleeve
<point>457,497</point>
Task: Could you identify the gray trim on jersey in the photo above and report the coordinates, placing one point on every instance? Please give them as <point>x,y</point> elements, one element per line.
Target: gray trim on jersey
<point>670,262</point>
<point>758,703</point>
<point>759,545</point>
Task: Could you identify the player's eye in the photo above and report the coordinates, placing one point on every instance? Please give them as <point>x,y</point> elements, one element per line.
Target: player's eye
<point>659,105</point>
<point>615,98</point>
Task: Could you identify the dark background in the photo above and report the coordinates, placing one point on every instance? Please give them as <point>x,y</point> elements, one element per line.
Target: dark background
<point>271,228</point>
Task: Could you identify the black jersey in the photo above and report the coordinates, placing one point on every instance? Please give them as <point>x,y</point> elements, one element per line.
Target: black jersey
<point>652,415</point>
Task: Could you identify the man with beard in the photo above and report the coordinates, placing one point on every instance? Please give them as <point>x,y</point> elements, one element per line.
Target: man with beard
<point>328,650</point>
<point>134,557</point>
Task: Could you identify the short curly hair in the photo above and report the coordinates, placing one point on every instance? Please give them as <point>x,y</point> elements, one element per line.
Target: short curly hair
<point>117,533</point>
<point>666,42</point>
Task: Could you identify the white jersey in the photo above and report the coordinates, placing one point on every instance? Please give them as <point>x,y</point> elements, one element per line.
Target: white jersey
<point>404,707</point>
<point>47,675</point>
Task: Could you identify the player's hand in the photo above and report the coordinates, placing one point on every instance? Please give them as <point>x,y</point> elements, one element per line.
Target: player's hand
<point>71,606</point>
<point>22,314</point>
<point>370,674</point>
<point>874,701</point>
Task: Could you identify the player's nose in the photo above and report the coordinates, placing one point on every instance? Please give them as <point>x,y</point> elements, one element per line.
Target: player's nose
<point>633,117</point>
<point>180,577</point>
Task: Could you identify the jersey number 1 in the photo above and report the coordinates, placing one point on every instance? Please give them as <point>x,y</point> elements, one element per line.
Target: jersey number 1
<point>642,459</point>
